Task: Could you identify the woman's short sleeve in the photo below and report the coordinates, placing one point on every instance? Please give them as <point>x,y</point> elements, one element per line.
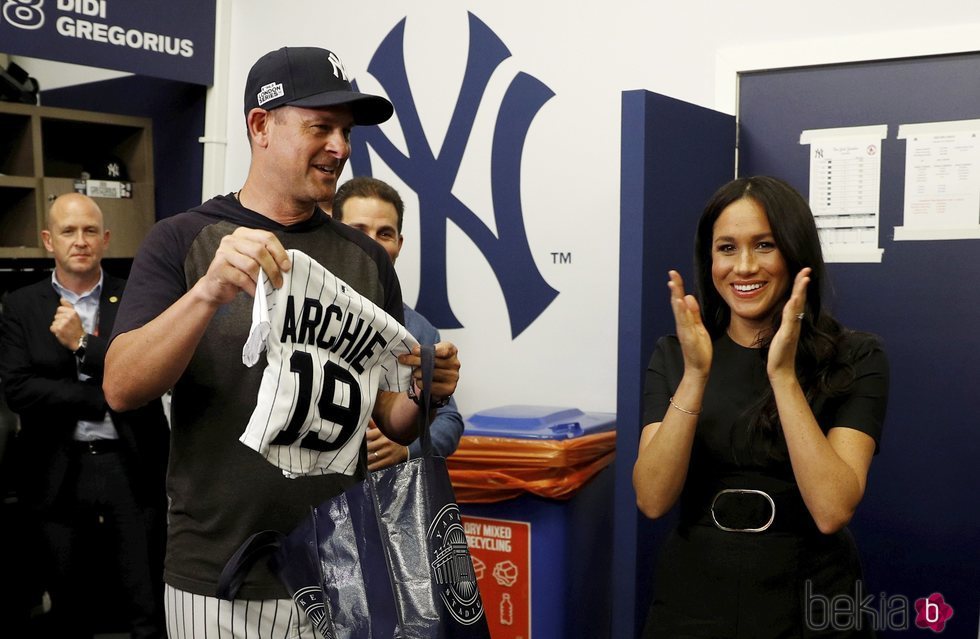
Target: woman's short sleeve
<point>863,407</point>
<point>664,374</point>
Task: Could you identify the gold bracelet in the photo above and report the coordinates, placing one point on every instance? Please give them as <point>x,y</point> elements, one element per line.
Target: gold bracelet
<point>683,410</point>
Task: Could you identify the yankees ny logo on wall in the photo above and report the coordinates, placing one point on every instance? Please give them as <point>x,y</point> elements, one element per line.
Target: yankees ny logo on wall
<point>431,176</point>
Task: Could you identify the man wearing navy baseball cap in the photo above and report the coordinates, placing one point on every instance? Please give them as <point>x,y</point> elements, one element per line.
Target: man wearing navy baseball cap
<point>309,77</point>
<point>188,315</point>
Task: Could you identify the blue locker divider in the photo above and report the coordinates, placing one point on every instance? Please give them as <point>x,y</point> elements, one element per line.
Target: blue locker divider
<point>674,156</point>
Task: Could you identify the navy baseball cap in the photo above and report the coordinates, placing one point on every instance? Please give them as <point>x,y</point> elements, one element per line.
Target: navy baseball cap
<point>309,77</point>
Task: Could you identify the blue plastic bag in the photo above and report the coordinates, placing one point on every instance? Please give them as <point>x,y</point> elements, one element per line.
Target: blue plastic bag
<point>385,559</point>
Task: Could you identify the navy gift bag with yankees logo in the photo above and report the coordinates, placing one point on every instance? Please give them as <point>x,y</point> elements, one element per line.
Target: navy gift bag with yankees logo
<point>385,559</point>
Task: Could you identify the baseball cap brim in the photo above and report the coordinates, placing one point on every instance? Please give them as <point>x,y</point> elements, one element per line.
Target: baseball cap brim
<point>367,109</point>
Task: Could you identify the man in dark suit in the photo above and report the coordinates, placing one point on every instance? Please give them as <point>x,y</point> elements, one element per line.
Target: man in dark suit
<point>83,471</point>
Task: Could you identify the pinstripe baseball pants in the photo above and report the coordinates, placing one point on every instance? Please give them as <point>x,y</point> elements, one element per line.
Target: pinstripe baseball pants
<point>191,616</point>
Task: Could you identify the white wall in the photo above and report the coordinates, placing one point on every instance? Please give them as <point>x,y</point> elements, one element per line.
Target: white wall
<point>587,53</point>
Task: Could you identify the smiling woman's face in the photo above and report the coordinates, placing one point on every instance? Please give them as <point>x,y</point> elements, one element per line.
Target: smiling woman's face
<point>747,268</point>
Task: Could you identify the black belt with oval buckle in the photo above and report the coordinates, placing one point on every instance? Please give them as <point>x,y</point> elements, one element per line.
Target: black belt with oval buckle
<point>743,510</point>
<point>748,503</point>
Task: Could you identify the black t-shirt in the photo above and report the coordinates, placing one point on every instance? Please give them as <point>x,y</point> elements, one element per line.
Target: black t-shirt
<point>722,446</point>
<point>221,491</point>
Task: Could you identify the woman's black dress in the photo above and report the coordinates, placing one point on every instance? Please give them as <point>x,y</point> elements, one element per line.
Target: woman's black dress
<point>777,583</point>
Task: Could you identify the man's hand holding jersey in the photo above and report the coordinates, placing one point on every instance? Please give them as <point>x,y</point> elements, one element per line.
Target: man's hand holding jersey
<point>445,374</point>
<point>238,261</point>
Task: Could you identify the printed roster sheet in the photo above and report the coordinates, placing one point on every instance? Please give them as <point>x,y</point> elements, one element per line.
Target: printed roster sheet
<point>942,181</point>
<point>845,181</point>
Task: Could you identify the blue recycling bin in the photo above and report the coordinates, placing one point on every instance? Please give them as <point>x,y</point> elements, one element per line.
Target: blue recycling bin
<point>544,565</point>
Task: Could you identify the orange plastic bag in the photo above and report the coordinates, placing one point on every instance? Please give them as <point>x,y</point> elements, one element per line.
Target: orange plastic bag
<point>491,469</point>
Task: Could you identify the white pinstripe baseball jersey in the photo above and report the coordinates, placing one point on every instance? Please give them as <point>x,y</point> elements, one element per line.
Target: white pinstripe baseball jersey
<point>329,350</point>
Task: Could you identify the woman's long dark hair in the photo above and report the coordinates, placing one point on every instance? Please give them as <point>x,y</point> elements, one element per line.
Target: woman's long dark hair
<point>819,368</point>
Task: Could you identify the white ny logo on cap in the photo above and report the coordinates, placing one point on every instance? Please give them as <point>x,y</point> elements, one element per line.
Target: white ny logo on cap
<point>338,67</point>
